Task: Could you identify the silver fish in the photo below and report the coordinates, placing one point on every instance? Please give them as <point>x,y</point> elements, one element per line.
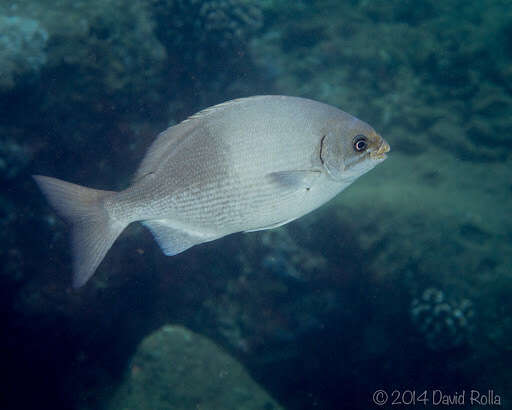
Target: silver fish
<point>245,165</point>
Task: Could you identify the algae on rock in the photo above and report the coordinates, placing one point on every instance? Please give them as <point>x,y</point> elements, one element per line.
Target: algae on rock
<point>174,368</point>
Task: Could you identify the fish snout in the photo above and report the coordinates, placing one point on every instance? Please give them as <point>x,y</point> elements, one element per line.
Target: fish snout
<point>381,151</point>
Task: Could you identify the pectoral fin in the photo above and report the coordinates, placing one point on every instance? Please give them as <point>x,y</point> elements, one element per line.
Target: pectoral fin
<point>290,182</point>
<point>276,225</point>
<point>295,180</point>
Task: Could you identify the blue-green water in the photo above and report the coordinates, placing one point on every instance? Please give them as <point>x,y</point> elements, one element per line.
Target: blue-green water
<point>394,294</point>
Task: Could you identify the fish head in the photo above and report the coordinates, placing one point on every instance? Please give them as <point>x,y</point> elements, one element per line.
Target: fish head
<point>350,148</point>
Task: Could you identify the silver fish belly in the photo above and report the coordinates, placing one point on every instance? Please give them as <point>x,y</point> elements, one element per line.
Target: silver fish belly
<point>245,165</point>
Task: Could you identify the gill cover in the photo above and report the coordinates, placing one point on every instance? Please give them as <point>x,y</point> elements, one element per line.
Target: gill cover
<point>332,154</point>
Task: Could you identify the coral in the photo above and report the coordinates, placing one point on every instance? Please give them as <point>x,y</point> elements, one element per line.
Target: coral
<point>445,323</point>
<point>197,33</point>
<point>23,44</point>
<point>198,24</point>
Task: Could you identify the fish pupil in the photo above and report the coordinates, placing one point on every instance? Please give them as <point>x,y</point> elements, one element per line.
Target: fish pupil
<point>360,143</point>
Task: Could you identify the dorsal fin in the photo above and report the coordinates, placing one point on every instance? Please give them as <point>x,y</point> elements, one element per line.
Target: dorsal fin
<point>219,107</point>
<point>173,136</point>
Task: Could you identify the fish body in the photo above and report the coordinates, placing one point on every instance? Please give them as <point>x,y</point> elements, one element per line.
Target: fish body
<point>245,165</point>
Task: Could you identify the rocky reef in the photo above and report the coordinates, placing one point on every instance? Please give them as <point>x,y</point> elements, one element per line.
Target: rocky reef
<point>368,292</point>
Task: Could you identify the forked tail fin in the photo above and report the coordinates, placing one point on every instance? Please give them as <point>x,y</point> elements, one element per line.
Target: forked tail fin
<point>92,230</point>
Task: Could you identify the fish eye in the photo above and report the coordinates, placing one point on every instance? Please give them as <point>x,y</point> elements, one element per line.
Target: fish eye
<point>360,143</point>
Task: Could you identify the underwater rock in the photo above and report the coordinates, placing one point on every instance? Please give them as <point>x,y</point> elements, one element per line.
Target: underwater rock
<point>22,48</point>
<point>174,368</point>
<point>444,323</point>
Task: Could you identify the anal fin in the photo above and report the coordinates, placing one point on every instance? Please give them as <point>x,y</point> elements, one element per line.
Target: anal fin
<point>173,240</point>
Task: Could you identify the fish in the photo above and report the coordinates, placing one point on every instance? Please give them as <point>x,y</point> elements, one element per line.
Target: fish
<point>244,165</point>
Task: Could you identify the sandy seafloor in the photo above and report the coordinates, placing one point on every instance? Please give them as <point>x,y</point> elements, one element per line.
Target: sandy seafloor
<point>400,284</point>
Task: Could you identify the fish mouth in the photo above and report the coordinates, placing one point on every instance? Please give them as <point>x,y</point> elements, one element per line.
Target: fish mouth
<point>381,152</point>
